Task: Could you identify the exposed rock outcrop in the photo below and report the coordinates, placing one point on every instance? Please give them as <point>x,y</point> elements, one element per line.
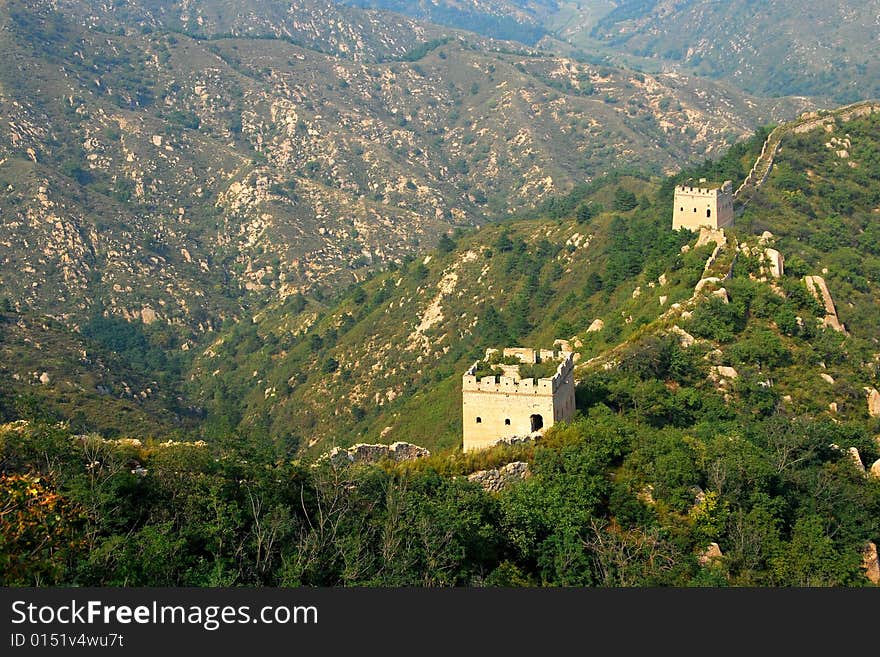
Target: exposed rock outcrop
<point>873,402</point>
<point>563,345</point>
<point>774,263</point>
<point>496,479</point>
<point>721,293</point>
<point>597,325</point>
<point>685,339</point>
<point>364,453</point>
<point>148,315</point>
<point>871,563</point>
<point>710,554</point>
<point>856,458</point>
<point>817,287</point>
<point>719,372</point>
<point>646,495</point>
<point>704,282</point>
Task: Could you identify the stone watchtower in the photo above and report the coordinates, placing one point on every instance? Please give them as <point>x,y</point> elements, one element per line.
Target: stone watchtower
<point>495,408</point>
<point>708,204</point>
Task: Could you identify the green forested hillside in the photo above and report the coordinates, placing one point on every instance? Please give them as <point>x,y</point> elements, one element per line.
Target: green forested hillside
<point>178,166</point>
<point>667,455</point>
<point>391,351</point>
<point>388,355</point>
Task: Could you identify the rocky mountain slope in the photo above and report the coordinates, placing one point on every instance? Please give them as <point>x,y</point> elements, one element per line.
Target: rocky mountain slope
<point>727,428</point>
<point>189,171</point>
<point>514,20</point>
<point>323,26</point>
<point>215,267</point>
<point>772,48</point>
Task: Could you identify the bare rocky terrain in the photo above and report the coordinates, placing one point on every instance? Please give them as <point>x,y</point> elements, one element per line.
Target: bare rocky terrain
<point>173,178</point>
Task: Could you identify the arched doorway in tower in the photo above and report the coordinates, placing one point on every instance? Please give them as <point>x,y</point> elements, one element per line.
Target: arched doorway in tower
<point>537,422</point>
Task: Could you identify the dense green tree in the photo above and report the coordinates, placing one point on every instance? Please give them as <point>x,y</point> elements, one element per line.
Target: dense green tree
<point>716,320</point>
<point>624,200</point>
<point>445,244</point>
<point>584,213</point>
<point>811,559</point>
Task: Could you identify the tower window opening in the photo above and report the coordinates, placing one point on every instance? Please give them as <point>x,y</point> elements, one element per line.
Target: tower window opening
<point>479,420</point>
<point>708,213</point>
<point>537,422</point>
<point>507,421</point>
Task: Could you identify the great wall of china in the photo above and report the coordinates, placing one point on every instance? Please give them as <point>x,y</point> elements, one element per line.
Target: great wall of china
<point>810,121</point>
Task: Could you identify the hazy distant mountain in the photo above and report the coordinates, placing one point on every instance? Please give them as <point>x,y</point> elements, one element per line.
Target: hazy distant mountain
<point>517,20</point>
<point>779,47</point>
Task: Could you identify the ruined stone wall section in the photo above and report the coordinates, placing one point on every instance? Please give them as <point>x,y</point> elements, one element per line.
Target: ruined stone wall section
<point>525,355</point>
<point>805,123</point>
<point>547,354</point>
<point>512,385</point>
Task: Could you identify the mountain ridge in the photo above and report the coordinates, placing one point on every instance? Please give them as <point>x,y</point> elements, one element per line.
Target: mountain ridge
<point>526,282</point>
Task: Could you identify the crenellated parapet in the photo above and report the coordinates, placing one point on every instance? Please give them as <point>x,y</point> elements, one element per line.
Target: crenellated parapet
<point>517,386</point>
